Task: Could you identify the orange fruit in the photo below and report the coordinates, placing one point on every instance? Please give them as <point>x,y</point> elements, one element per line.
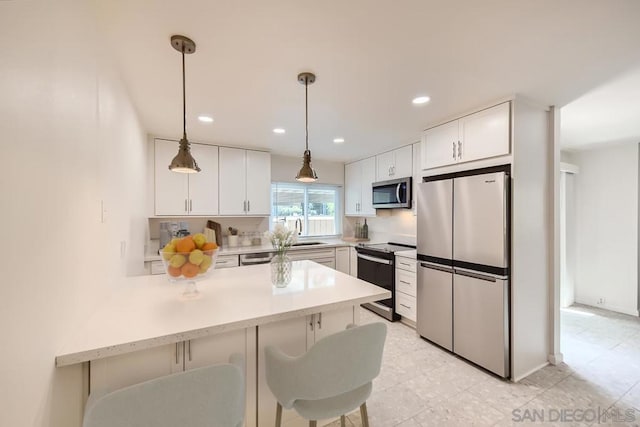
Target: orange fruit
<point>190,270</point>
<point>185,245</point>
<point>209,246</point>
<point>174,272</point>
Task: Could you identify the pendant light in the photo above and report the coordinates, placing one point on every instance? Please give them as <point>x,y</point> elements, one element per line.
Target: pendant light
<point>307,173</point>
<point>184,162</point>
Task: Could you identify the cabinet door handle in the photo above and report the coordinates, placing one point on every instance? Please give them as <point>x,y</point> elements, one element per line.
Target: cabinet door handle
<point>454,150</point>
<point>248,205</point>
<point>189,349</point>
<point>190,205</point>
<point>185,205</point>
<point>311,322</point>
<point>320,321</point>
<point>459,149</point>
<point>405,306</point>
<point>244,206</point>
<point>177,359</point>
<point>406,283</point>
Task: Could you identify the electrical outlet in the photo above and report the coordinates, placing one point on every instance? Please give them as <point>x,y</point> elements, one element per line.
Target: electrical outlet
<point>601,301</point>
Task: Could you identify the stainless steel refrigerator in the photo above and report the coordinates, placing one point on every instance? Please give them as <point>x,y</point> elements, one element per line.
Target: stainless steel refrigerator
<point>463,274</point>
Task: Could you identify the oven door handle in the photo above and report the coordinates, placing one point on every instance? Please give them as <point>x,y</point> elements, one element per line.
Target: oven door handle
<point>374,259</point>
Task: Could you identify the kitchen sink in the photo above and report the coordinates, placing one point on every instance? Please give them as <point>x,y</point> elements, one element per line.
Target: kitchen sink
<point>307,243</point>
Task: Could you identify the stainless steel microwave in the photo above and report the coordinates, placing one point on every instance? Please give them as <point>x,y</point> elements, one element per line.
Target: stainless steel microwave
<point>395,193</point>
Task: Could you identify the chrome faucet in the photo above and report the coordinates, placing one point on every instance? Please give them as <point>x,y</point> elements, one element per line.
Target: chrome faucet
<point>299,231</point>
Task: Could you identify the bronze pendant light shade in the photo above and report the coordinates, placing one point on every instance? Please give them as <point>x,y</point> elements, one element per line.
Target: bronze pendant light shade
<point>184,162</point>
<point>306,173</point>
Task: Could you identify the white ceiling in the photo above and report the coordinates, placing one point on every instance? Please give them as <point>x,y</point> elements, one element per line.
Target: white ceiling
<point>608,114</point>
<point>370,57</point>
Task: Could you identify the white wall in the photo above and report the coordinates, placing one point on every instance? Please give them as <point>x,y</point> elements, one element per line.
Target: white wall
<point>532,229</point>
<point>607,228</point>
<point>285,169</point>
<point>70,138</point>
<point>568,239</point>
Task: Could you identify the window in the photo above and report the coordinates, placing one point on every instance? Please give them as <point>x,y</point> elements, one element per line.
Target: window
<point>316,207</point>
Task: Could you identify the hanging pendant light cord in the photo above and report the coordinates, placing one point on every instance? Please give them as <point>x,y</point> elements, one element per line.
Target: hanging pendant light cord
<point>306,113</point>
<point>184,100</point>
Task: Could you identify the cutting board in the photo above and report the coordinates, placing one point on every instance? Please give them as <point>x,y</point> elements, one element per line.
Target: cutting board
<point>217,228</point>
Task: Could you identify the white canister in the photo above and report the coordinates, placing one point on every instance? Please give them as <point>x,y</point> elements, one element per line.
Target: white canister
<point>233,240</point>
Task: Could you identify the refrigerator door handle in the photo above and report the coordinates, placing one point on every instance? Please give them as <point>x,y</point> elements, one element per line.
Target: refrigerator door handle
<point>482,276</point>
<point>374,259</point>
<point>436,267</point>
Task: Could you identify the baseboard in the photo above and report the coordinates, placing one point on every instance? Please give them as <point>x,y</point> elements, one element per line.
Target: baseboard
<point>555,359</point>
<point>623,310</point>
<point>526,374</point>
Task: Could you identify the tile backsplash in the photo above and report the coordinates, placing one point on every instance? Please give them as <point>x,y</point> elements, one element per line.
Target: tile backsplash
<point>196,225</point>
<point>389,225</point>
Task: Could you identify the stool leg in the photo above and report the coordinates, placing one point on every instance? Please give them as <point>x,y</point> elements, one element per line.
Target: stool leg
<point>278,415</point>
<point>342,421</point>
<point>364,415</point>
<point>313,424</point>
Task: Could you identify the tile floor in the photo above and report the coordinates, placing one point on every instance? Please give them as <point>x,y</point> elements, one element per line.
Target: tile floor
<point>421,385</point>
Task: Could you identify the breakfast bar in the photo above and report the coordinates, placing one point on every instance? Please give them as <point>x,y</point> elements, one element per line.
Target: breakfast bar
<point>147,329</point>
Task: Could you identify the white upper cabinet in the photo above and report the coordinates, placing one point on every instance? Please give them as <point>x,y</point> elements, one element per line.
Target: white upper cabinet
<point>368,178</point>
<point>439,145</point>
<point>485,134</point>
<point>394,164</point>
<point>477,136</point>
<point>203,186</point>
<point>185,194</point>
<point>358,177</point>
<point>353,187</point>
<point>245,182</point>
<point>258,183</point>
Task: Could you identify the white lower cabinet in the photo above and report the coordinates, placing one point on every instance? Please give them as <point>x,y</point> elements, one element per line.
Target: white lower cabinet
<point>342,260</point>
<point>325,256</point>
<point>406,286</point>
<point>353,262</point>
<point>294,337</point>
<point>227,261</point>
<point>116,372</point>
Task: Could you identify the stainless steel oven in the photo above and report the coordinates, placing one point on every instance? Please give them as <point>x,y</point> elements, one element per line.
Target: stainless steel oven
<point>376,264</point>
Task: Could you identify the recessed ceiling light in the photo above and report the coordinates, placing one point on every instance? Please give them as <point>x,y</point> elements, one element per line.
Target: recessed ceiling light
<point>421,100</point>
<point>279,130</point>
<point>205,119</point>
<point>338,140</point>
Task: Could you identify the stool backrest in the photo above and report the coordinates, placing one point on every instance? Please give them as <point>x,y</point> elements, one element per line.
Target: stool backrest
<point>212,396</point>
<point>335,365</point>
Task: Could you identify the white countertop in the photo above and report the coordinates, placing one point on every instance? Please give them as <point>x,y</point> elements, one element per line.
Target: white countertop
<point>237,250</point>
<point>411,253</point>
<point>149,311</point>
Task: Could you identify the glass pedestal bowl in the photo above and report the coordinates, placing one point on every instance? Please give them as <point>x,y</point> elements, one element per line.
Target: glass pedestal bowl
<point>190,267</point>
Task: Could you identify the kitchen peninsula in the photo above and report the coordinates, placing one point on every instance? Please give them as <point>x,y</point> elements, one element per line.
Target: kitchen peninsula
<point>146,329</point>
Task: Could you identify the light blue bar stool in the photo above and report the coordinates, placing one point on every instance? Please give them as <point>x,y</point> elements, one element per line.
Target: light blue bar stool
<point>332,379</point>
<point>213,396</point>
